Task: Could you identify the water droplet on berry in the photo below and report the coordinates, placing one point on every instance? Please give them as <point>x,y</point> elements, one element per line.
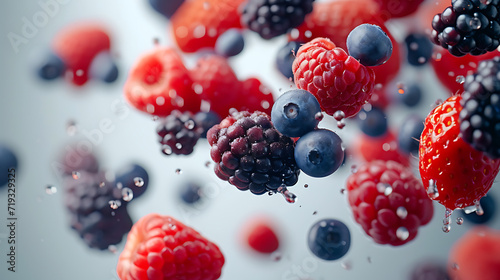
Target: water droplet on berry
<point>339,115</point>
<point>422,60</point>
<point>460,221</point>
<point>402,233</point>
<point>102,184</point>
<point>197,88</point>
<point>127,194</point>
<point>167,150</point>
<point>432,191</point>
<point>79,72</point>
<point>71,128</point>
<point>479,209</point>
<point>75,175</point>
<point>447,220</point>
<point>414,46</point>
<point>460,79</point>
<point>354,168</point>
<point>455,266</point>
<point>189,124</point>
<point>265,104</point>
<point>50,189</point>
<point>384,188</point>
<point>178,171</point>
<point>138,182</point>
<point>112,249</point>
<point>289,197</point>
<point>308,34</point>
<point>199,31</point>
<point>437,56</point>
<point>475,23</point>
<point>386,147</point>
<point>114,204</point>
<point>318,116</point>
<point>402,212</point>
<point>346,265</point>
<point>294,33</point>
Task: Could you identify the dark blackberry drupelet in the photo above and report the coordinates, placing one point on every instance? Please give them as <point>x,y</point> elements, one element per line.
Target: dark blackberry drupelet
<point>97,209</point>
<point>480,116</point>
<point>251,154</point>
<point>178,133</point>
<point>468,27</point>
<point>271,18</point>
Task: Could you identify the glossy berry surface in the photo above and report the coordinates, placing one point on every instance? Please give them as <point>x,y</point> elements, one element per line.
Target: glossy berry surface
<point>411,95</point>
<point>178,133</point>
<point>419,49</point>
<point>166,7</point>
<point>388,201</point>
<point>384,147</point>
<point>103,68</point>
<point>319,153</point>
<point>230,43</point>
<point>295,113</point>
<point>488,206</point>
<point>409,134</point>
<point>373,122</point>
<point>285,58</point>
<point>261,236</point>
<point>134,177</point>
<point>8,160</point>
<point>51,68</point>
<point>329,239</point>
<point>369,44</point>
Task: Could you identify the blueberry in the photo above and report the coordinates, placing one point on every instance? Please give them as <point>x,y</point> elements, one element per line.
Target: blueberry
<point>230,43</point>
<point>373,122</point>
<point>429,270</point>
<point>411,95</point>
<point>206,120</point>
<point>166,7</point>
<point>329,239</point>
<point>51,68</point>
<point>294,113</point>
<point>134,177</point>
<point>419,48</point>
<point>409,134</point>
<point>285,58</point>
<point>319,153</point>
<point>190,192</point>
<point>489,207</point>
<point>8,160</point>
<point>369,44</point>
<point>103,68</point>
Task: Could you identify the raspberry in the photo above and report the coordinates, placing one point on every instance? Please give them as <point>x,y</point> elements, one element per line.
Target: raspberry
<point>388,201</point>
<point>251,154</point>
<point>396,9</point>
<point>178,133</point>
<point>254,96</point>
<point>480,118</point>
<point>339,81</point>
<point>271,18</point>
<point>160,247</point>
<point>384,147</point>
<point>261,236</point>
<point>97,209</point>
<point>468,26</point>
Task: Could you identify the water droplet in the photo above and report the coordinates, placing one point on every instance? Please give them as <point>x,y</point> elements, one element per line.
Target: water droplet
<point>479,209</point>
<point>276,256</point>
<point>71,128</point>
<point>294,33</point>
<point>49,189</point>
<point>138,182</point>
<point>339,115</point>
<point>402,233</point>
<point>384,188</point>
<point>102,184</point>
<point>308,34</point>
<point>112,249</point>
<point>306,186</point>
<point>289,197</point>
<point>178,145</point>
<point>127,194</point>
<point>319,116</point>
<point>119,185</point>
<point>386,147</point>
<point>354,168</point>
<point>207,164</point>
<point>342,191</point>
<point>190,124</point>
<point>114,204</point>
<point>402,212</point>
<point>172,226</point>
<point>437,56</point>
<point>432,190</point>
<point>460,79</point>
<point>270,193</point>
<point>167,150</point>
<point>75,175</point>
<point>475,23</point>
<point>178,171</point>
<point>460,221</point>
<point>455,266</point>
<point>346,265</point>
<point>422,60</point>
<point>315,212</point>
<point>447,220</point>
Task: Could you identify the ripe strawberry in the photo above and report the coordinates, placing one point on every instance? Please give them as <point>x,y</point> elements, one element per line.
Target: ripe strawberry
<point>388,201</point>
<point>77,46</point>
<point>454,174</point>
<point>448,67</point>
<point>160,83</point>
<point>336,19</point>
<point>380,148</point>
<point>160,247</point>
<point>198,23</point>
<point>260,236</point>
<point>337,80</point>
<point>484,244</point>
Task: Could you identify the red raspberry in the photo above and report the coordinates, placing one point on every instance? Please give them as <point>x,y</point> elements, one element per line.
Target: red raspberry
<point>388,201</point>
<point>380,148</point>
<point>255,97</point>
<point>454,174</point>
<point>336,19</point>
<point>160,247</point>
<point>337,80</point>
<point>397,8</point>
<point>484,244</point>
<point>198,23</point>
<point>77,46</point>
<point>260,236</point>
<point>160,83</point>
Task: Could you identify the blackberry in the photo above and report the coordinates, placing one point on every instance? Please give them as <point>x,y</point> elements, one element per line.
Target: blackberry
<point>251,154</point>
<point>97,209</point>
<point>480,115</point>
<point>271,18</point>
<point>468,27</point>
<point>178,133</point>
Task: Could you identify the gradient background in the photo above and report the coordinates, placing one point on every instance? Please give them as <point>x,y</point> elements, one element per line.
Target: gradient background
<point>33,120</point>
